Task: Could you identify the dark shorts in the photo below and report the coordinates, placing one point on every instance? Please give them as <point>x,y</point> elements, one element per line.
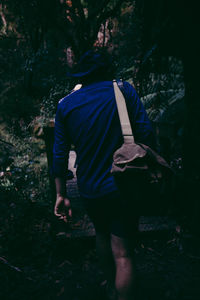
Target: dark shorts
<point>113,214</point>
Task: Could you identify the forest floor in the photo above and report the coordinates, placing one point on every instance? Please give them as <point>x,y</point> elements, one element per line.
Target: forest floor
<point>45,264</point>
<point>42,258</point>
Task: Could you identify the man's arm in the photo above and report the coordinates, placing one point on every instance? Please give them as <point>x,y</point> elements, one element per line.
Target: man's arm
<point>61,150</point>
<point>62,208</point>
<point>61,186</point>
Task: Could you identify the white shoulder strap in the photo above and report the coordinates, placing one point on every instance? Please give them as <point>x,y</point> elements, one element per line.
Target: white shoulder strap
<point>123,115</point>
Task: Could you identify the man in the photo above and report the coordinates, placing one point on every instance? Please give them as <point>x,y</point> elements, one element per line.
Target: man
<point>88,119</point>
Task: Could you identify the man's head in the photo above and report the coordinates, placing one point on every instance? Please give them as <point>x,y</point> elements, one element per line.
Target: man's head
<point>94,66</point>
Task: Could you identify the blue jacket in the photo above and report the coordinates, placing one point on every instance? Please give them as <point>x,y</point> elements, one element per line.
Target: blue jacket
<point>89,120</point>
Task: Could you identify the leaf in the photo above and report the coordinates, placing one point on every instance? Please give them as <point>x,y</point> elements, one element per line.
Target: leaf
<point>61,291</point>
<point>64,263</point>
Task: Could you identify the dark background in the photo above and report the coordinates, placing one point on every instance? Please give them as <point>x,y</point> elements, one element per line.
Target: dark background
<point>155,44</point>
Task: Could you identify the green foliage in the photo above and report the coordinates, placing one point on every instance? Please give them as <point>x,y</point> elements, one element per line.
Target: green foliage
<point>23,165</point>
<point>49,103</point>
<point>33,58</point>
<point>48,107</point>
<point>162,90</point>
<point>5,183</point>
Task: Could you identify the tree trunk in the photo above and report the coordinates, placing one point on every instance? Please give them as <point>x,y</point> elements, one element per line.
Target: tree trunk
<point>191,157</point>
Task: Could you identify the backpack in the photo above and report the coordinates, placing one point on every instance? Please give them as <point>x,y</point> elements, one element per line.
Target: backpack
<point>137,168</point>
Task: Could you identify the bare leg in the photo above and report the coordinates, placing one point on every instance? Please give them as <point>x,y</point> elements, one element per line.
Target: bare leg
<point>107,263</point>
<point>104,252</point>
<point>123,252</point>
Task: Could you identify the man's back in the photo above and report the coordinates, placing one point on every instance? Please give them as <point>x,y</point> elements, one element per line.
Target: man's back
<point>88,119</point>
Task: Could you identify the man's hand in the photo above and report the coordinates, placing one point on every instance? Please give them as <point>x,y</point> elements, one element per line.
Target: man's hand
<point>62,209</point>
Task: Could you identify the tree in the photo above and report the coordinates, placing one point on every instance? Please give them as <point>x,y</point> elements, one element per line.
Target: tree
<point>71,27</point>
<point>173,27</point>
<point>78,21</point>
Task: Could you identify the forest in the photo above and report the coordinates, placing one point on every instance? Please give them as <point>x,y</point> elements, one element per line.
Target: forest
<point>155,44</point>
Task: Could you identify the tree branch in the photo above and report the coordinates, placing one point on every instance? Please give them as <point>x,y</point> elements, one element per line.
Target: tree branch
<point>80,9</point>
<point>6,143</point>
<point>3,19</point>
<point>105,15</point>
<point>110,12</point>
<point>6,264</point>
<point>95,12</point>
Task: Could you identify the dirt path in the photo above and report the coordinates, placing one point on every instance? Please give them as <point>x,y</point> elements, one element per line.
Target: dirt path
<point>68,269</point>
